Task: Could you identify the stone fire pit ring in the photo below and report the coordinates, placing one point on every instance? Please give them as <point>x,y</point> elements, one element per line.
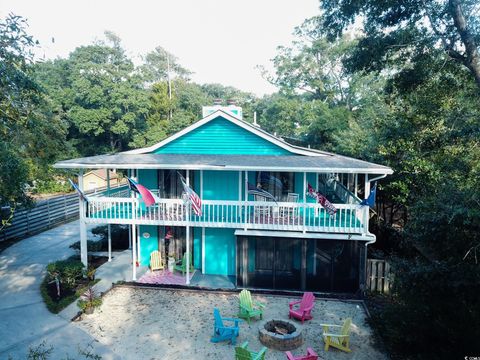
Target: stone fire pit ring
<point>271,339</point>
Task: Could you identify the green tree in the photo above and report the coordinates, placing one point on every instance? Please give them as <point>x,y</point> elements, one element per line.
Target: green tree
<point>31,136</point>
<point>99,93</point>
<point>406,37</point>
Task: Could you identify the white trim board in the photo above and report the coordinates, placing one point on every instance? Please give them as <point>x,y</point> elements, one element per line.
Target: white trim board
<point>301,235</point>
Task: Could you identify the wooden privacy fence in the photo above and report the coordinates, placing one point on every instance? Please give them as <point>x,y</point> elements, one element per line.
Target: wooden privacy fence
<point>378,276</point>
<point>46,214</point>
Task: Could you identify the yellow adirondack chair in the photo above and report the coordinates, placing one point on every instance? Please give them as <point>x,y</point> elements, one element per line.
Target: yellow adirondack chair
<point>339,340</point>
<point>156,262</point>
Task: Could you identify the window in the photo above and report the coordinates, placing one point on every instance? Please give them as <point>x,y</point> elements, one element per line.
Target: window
<point>279,184</point>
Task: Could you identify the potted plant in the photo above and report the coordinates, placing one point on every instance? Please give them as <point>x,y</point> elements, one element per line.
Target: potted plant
<point>89,301</point>
<point>90,273</point>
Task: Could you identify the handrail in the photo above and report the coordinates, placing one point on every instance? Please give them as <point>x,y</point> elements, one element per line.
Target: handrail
<point>349,218</point>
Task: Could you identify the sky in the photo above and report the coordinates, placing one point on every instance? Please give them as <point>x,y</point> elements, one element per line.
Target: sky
<point>221,41</point>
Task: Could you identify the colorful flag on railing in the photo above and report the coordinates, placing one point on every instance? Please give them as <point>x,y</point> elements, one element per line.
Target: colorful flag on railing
<point>147,196</point>
<point>370,200</point>
<point>191,196</point>
<point>253,190</point>
<point>80,192</point>
<point>322,200</point>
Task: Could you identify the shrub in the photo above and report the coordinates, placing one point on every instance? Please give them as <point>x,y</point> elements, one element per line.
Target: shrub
<point>432,311</point>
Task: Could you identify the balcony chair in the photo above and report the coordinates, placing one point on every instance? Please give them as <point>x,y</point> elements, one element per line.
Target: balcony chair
<point>249,308</point>
<point>183,264</point>
<point>339,340</point>
<point>311,355</point>
<point>222,332</point>
<point>290,211</point>
<point>156,262</point>
<point>304,310</point>
<point>242,353</point>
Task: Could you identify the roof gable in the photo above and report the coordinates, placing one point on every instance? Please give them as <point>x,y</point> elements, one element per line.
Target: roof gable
<point>221,137</point>
<point>223,134</point>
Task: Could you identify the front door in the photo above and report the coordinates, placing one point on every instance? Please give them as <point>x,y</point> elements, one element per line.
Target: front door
<point>270,263</point>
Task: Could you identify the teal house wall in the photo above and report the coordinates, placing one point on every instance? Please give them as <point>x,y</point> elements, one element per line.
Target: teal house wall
<point>220,136</point>
<point>220,185</point>
<point>220,249</point>
<point>147,244</point>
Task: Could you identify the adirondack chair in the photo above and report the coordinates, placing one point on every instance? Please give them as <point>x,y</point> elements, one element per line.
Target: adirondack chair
<point>311,355</point>
<point>222,332</point>
<point>304,310</point>
<point>339,340</point>
<point>183,265</point>
<point>156,262</point>
<point>248,307</point>
<point>242,353</point>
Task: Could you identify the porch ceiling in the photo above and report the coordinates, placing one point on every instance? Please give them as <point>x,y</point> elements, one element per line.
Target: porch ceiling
<point>294,163</point>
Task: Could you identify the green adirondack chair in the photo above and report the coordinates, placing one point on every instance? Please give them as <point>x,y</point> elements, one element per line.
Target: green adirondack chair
<point>242,353</point>
<point>183,265</point>
<point>248,307</point>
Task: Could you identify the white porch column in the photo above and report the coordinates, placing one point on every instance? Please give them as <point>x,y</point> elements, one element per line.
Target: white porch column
<point>246,199</point>
<point>203,250</point>
<point>134,252</point>
<point>83,225</point>
<point>187,280</point>
<point>356,184</point>
<point>130,227</point>
<point>109,226</point>
<point>304,200</point>
<point>366,208</point>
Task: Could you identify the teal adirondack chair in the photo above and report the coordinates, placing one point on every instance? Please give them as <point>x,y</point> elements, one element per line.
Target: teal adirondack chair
<point>242,353</point>
<point>183,265</point>
<point>222,332</point>
<point>248,307</point>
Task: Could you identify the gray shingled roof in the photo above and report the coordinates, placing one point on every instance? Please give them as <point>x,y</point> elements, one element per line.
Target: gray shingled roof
<point>297,163</point>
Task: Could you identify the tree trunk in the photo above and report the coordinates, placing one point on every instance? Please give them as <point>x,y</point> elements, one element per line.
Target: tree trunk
<point>471,60</point>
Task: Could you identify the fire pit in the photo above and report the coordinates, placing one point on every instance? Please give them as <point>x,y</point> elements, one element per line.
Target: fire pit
<point>280,334</point>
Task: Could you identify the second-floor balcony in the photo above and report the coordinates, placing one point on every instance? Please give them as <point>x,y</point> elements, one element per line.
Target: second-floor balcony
<point>247,215</point>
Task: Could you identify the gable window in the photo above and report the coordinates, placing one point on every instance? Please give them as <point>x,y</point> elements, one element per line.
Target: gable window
<point>279,184</point>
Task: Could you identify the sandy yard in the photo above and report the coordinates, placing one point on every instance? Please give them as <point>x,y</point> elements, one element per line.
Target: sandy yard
<point>164,324</point>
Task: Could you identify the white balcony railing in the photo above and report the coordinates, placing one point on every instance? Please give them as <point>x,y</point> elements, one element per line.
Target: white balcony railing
<point>230,214</point>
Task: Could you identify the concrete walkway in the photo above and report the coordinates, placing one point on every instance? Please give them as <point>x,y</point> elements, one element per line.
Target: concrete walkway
<point>24,319</point>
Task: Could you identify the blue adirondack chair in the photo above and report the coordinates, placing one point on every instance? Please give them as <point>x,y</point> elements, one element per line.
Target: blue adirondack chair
<point>222,332</point>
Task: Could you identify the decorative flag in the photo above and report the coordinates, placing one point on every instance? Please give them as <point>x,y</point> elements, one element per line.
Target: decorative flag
<point>253,190</point>
<point>147,196</point>
<point>192,197</point>
<point>80,192</point>
<point>322,200</point>
<point>370,201</point>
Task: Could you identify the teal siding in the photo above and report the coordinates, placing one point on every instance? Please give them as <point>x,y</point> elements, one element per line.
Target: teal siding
<point>220,248</point>
<point>197,248</point>
<point>221,136</point>
<point>147,245</point>
<point>299,185</point>
<point>220,185</point>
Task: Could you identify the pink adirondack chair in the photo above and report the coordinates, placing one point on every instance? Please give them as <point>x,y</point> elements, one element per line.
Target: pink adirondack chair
<point>311,355</point>
<point>304,310</point>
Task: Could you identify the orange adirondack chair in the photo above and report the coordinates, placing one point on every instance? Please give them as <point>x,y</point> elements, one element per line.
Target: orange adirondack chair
<point>311,355</point>
<point>304,310</point>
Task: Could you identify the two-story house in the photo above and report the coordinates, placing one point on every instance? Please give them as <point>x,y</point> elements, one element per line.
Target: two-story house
<point>291,243</point>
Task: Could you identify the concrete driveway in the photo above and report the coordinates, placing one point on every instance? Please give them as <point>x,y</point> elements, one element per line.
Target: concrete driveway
<point>24,319</point>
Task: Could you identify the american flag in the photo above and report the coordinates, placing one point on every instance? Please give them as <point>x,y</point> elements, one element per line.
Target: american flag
<point>192,197</point>
<point>322,200</point>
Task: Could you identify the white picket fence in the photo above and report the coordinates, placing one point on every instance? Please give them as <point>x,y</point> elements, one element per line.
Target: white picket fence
<point>378,276</point>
